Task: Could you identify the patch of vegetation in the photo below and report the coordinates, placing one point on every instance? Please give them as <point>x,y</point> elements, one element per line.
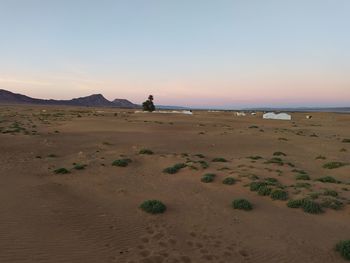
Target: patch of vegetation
<point>299,171</point>
<point>254,186</point>
<point>61,171</point>
<point>343,247</point>
<point>321,157</point>
<point>327,179</point>
<point>79,166</point>
<point>199,155</point>
<point>332,203</point>
<point>242,204</point>
<point>52,155</point>
<point>219,160</point>
<point>145,151</point>
<point>253,127</point>
<point>229,181</point>
<point>275,160</point>
<point>333,165</point>
<point>208,178</point>
<point>271,181</point>
<point>279,154</point>
<point>278,194</point>
<point>311,207</point>
<point>282,139</point>
<point>203,164</point>
<point>346,140</point>
<point>264,190</point>
<point>343,150</point>
<point>330,193</point>
<point>153,207</point>
<point>302,177</point>
<point>256,157</point>
<point>295,203</point>
<point>314,195</point>
<point>121,162</point>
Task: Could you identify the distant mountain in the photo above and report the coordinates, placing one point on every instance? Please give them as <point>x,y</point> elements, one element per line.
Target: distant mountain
<point>96,100</point>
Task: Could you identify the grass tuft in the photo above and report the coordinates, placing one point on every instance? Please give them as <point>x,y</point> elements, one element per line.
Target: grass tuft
<point>146,151</point>
<point>121,162</point>
<point>219,160</point>
<point>61,171</point>
<point>242,204</point>
<point>333,165</point>
<point>279,195</point>
<point>153,207</point>
<point>343,247</point>
<point>229,181</point>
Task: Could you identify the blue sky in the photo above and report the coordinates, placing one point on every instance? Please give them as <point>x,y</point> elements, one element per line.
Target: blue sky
<point>194,53</point>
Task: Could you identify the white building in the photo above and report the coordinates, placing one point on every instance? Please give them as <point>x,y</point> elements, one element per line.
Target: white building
<point>277,116</point>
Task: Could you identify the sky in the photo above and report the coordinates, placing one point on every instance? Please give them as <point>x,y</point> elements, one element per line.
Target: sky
<point>198,53</point>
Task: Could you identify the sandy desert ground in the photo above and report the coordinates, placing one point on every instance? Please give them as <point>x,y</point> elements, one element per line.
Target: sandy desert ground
<point>92,214</point>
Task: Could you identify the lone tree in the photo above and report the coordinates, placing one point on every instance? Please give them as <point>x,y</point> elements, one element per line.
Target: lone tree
<point>148,104</point>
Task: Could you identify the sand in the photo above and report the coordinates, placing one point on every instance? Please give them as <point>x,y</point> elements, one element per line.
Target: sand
<point>93,215</point>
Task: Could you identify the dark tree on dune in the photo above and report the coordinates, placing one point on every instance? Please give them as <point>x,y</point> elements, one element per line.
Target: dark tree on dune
<point>148,104</point>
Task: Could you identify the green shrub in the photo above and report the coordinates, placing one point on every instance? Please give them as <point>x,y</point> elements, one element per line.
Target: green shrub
<point>199,155</point>
<point>303,185</point>
<point>302,177</point>
<point>295,203</point>
<point>153,207</point>
<point>121,162</point>
<point>203,164</point>
<point>145,151</point>
<point>242,204</point>
<point>279,195</point>
<point>333,165</point>
<point>264,190</point>
<point>299,171</point>
<point>254,157</point>
<point>219,160</point>
<point>279,154</point>
<point>327,179</point>
<point>311,207</point>
<point>330,193</point>
<point>275,160</point>
<point>229,181</point>
<point>174,169</point>
<point>332,203</point>
<point>254,186</point>
<point>343,247</point>
<point>208,178</point>
<point>314,195</point>
<point>271,181</point>
<point>79,166</point>
<point>61,171</point>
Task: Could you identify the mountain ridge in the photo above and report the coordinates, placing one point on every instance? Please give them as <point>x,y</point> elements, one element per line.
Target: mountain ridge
<point>94,100</point>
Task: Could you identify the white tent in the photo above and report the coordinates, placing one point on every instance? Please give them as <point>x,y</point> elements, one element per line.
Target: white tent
<point>240,114</point>
<point>278,116</point>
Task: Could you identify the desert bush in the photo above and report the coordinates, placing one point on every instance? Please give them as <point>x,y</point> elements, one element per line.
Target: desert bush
<point>199,155</point>
<point>79,166</point>
<point>295,203</point>
<point>271,181</point>
<point>61,171</point>
<point>278,194</point>
<point>333,165</point>
<point>121,162</point>
<point>253,127</point>
<point>343,247</point>
<point>327,179</point>
<point>175,168</point>
<point>52,155</point>
<point>321,157</point>
<point>332,203</point>
<point>303,185</point>
<point>208,178</point>
<point>279,154</point>
<point>145,151</point>
<point>255,157</point>
<point>299,171</point>
<point>264,190</point>
<point>219,159</point>
<point>203,164</point>
<point>311,207</point>
<point>242,204</point>
<point>229,181</point>
<point>148,104</point>
<point>275,160</point>
<point>302,177</point>
<point>254,186</point>
<point>153,207</point>
<point>314,195</point>
<point>346,140</point>
<point>330,193</point>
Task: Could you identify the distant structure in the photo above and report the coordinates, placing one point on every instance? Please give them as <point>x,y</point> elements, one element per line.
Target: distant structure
<point>240,114</point>
<point>308,117</point>
<point>277,116</point>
